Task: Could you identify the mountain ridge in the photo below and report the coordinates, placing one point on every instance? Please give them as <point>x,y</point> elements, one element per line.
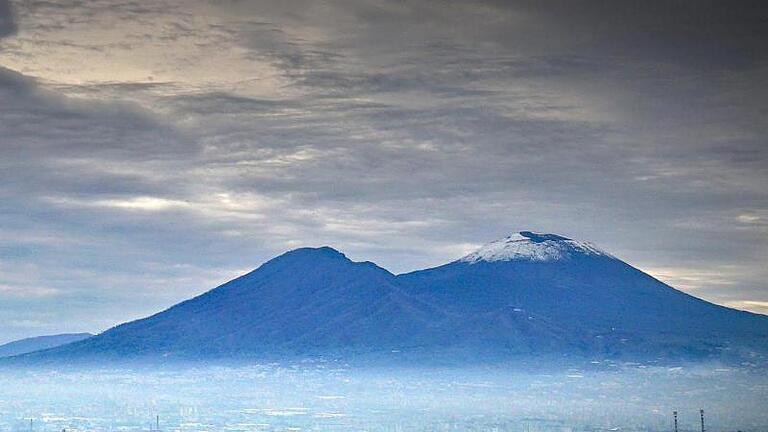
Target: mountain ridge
<point>529,294</point>
<point>37,343</point>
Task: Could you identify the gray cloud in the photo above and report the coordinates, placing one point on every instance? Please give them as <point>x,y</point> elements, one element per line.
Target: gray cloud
<point>400,132</point>
<point>7,22</point>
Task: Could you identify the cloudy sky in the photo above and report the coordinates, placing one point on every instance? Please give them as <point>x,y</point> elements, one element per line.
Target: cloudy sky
<point>150,150</point>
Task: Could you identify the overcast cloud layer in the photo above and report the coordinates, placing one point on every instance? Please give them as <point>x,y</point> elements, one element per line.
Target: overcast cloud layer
<point>150,150</point>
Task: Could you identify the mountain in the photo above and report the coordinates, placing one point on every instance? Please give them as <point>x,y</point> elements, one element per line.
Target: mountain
<point>525,295</point>
<point>23,346</point>
<point>305,301</point>
<point>544,292</point>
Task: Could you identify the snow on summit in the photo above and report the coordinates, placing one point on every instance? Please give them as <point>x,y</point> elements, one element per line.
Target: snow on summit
<point>527,245</point>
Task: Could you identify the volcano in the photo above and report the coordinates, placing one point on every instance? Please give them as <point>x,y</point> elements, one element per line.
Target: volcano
<point>524,296</point>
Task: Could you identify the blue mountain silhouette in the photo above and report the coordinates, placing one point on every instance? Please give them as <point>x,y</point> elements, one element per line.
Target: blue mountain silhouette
<point>529,294</point>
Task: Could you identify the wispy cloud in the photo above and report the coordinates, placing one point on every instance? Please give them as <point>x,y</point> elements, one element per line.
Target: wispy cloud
<point>751,305</point>
<point>27,292</point>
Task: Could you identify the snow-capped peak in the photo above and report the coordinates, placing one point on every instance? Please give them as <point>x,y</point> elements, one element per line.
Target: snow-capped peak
<point>527,245</point>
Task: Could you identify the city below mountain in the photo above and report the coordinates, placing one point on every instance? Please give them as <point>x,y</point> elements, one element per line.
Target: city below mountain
<point>526,296</point>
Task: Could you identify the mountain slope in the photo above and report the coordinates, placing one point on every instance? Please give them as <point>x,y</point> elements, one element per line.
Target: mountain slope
<point>608,306</point>
<point>23,346</point>
<point>305,301</point>
<point>526,295</point>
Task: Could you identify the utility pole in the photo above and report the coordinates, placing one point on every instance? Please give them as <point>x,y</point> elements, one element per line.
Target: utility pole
<point>157,423</point>
<point>702,420</point>
<point>674,413</point>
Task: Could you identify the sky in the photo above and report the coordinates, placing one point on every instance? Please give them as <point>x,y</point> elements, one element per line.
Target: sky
<point>151,150</point>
